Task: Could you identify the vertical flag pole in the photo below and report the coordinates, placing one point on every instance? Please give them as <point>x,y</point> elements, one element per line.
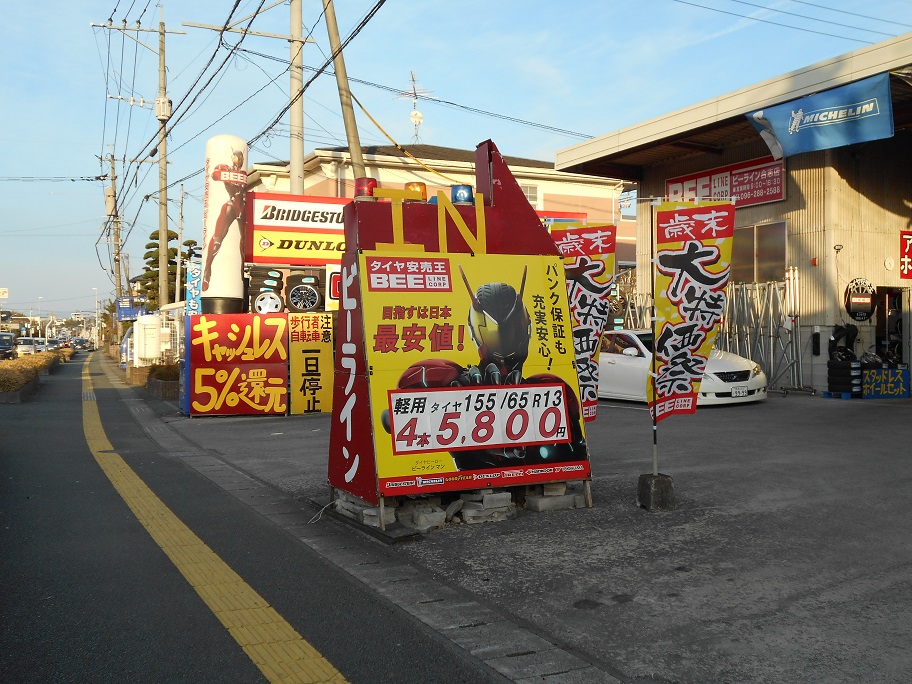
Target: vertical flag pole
<point>652,324</point>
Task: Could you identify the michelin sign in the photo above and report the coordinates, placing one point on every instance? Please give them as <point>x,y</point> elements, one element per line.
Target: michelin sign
<point>854,113</point>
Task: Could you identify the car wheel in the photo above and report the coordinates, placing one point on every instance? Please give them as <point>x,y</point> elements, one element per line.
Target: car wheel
<point>268,302</point>
<point>303,298</point>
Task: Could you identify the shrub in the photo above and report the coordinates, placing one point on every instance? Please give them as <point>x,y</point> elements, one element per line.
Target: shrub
<point>170,371</point>
<point>17,373</point>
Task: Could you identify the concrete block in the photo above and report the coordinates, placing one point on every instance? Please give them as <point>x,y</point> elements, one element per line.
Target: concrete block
<point>554,489</point>
<point>550,503</point>
<point>475,495</point>
<point>496,500</point>
<point>434,518</point>
<point>656,492</point>
<point>488,515</point>
<point>453,509</point>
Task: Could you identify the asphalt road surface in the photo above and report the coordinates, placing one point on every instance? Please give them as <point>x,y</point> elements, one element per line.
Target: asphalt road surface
<point>788,558</point>
<point>87,594</point>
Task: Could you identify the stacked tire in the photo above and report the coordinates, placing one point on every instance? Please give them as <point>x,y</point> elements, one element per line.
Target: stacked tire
<point>265,289</point>
<point>275,290</point>
<point>844,377</point>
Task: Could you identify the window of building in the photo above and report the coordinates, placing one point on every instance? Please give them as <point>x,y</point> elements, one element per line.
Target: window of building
<point>759,253</point>
<point>531,193</point>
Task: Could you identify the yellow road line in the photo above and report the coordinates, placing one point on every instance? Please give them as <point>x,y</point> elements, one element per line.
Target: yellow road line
<point>271,643</point>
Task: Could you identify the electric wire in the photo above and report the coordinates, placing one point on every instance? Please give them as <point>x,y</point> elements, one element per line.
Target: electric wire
<point>399,147</point>
<point>774,23</point>
<point>803,16</point>
<point>853,14</point>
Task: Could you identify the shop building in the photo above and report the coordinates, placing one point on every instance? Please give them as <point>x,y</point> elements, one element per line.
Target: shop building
<point>555,195</point>
<point>820,241</point>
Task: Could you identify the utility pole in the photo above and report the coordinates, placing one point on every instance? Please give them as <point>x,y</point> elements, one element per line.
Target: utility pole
<point>114,214</point>
<point>163,114</point>
<point>296,112</point>
<point>348,113</point>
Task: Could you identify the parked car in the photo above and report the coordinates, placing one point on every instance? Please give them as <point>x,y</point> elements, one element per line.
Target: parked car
<point>626,357</point>
<point>7,344</point>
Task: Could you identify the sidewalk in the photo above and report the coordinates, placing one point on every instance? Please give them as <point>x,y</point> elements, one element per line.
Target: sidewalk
<point>788,558</point>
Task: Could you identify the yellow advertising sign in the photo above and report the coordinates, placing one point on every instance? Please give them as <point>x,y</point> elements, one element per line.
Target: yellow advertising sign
<point>469,371</point>
<point>295,248</point>
<point>310,361</point>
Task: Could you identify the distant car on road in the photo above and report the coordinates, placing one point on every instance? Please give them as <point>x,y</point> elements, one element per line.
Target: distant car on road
<point>29,345</point>
<point>7,343</point>
<point>624,365</point>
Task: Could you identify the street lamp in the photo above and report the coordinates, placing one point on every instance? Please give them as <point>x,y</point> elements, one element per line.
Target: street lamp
<point>39,316</point>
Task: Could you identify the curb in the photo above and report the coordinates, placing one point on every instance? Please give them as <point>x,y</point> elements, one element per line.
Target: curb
<point>22,394</point>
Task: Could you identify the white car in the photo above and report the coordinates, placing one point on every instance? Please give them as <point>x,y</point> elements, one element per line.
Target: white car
<point>29,345</point>
<point>624,365</point>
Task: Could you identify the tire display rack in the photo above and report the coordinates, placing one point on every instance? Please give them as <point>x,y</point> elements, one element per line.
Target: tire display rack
<point>285,290</point>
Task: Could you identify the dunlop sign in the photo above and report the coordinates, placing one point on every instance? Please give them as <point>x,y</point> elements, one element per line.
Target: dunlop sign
<point>294,230</point>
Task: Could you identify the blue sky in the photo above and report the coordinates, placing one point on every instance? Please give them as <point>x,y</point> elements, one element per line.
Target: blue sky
<point>585,67</point>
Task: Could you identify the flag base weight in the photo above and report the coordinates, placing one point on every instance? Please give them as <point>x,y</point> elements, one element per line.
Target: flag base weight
<point>656,492</point>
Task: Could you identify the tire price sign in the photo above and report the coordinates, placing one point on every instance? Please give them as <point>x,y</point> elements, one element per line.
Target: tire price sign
<point>474,417</point>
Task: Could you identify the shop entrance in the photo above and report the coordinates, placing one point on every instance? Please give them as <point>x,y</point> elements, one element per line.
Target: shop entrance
<point>892,324</point>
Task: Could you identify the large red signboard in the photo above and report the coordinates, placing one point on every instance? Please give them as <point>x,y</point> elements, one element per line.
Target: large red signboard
<point>905,254</point>
<point>239,364</point>
<point>757,181</point>
<point>454,346</point>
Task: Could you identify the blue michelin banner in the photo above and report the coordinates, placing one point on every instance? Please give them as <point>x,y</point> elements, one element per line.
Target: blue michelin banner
<point>850,114</point>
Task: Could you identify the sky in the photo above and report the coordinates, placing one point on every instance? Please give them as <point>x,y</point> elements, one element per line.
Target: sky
<point>534,77</point>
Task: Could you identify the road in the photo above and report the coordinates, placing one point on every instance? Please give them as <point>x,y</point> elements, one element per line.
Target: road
<point>787,559</point>
<point>89,595</point>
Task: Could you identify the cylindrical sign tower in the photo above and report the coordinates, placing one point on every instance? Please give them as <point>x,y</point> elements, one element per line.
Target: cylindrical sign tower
<point>223,225</point>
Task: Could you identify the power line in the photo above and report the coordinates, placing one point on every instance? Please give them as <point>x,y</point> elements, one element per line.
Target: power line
<point>774,23</point>
<point>853,14</point>
<point>804,16</point>
<point>53,179</point>
<point>434,100</point>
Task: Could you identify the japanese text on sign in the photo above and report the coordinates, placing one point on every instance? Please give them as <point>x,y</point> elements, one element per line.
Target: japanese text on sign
<point>748,183</point>
<point>905,254</point>
<point>216,389</point>
<point>693,266</point>
<point>469,418</point>
<point>404,274</point>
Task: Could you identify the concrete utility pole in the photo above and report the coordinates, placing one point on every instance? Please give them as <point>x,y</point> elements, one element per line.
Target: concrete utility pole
<point>114,214</point>
<point>348,113</point>
<point>162,113</point>
<point>296,112</point>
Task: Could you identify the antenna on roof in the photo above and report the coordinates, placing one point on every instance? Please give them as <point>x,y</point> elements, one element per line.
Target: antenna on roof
<point>414,92</point>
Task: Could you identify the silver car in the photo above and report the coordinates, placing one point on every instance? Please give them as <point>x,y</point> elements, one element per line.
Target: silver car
<point>26,345</point>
